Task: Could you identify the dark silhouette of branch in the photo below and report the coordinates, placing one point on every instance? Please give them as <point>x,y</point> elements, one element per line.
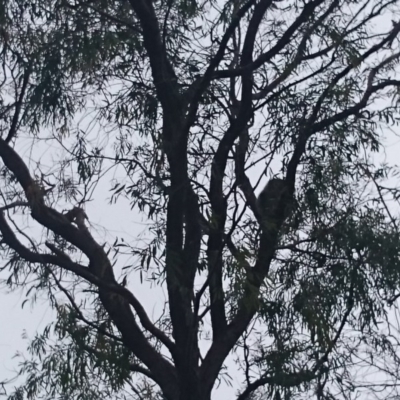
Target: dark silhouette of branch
<point>283,380</point>
<point>308,10</point>
<point>165,79</point>
<point>79,313</point>
<point>180,202</point>
<point>18,105</point>
<point>299,56</point>
<point>201,84</point>
<point>132,367</point>
<point>217,200</point>
<point>14,205</point>
<point>295,379</point>
<point>311,126</point>
<point>221,346</point>
<point>99,272</point>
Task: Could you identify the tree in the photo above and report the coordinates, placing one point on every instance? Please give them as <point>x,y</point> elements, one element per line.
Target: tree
<point>197,105</point>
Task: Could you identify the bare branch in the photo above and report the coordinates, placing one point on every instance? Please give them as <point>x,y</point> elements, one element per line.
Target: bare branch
<point>18,105</point>
<point>79,313</point>
<point>298,58</point>
<point>308,10</point>
<point>14,205</point>
<point>126,293</point>
<point>311,126</point>
<point>164,76</point>
<point>202,83</point>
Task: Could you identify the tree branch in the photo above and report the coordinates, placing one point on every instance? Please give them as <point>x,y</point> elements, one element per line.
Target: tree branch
<point>217,199</point>
<point>311,127</point>
<point>18,105</point>
<point>298,58</point>
<point>79,313</point>
<point>308,9</point>
<point>132,367</point>
<point>164,76</point>
<point>14,205</point>
<point>283,380</point>
<point>223,342</point>
<point>295,379</point>
<point>201,84</point>
<point>99,273</point>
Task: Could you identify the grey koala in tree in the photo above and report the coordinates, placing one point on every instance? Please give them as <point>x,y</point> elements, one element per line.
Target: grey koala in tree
<point>77,216</point>
<point>270,198</point>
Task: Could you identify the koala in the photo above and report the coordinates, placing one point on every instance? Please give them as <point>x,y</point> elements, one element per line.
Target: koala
<point>78,216</point>
<point>270,198</point>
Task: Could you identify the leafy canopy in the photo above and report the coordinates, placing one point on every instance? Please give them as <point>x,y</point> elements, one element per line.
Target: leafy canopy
<point>182,111</point>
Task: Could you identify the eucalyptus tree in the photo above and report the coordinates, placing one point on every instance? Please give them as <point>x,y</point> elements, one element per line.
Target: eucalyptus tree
<point>197,105</point>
